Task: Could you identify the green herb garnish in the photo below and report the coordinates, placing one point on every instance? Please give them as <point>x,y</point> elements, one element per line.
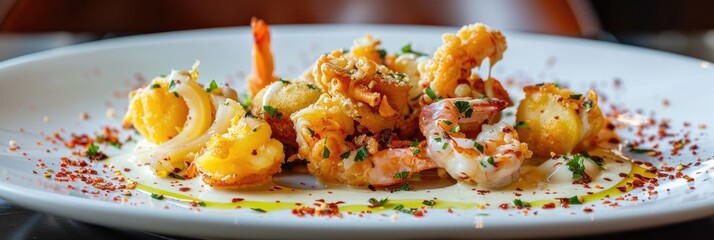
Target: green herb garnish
<point>478,146</point>
<point>362,154</point>
<point>462,106</point>
<point>376,203</point>
<point>258,210</point>
<point>521,124</point>
<point>212,86</point>
<point>430,92</point>
<point>401,175</point>
<point>521,203</point>
<point>325,151</point>
<point>157,196</point>
<point>429,202</point>
<point>576,96</point>
<point>408,49</point>
<point>272,111</point>
<point>345,155</point>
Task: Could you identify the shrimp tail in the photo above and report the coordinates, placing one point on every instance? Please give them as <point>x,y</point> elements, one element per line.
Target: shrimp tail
<point>263,66</point>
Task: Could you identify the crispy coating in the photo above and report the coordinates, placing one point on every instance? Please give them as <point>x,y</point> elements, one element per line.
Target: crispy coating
<point>378,96</point>
<point>558,120</point>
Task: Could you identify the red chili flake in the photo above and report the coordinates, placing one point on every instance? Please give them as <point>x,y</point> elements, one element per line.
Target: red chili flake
<point>587,210</point>
<point>623,175</point>
<point>185,189</point>
<point>235,200</point>
<point>549,206</point>
<point>503,206</point>
<point>449,210</point>
<point>622,189</point>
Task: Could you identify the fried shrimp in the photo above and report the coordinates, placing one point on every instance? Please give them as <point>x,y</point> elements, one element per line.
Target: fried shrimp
<point>322,130</point>
<point>377,96</point>
<point>262,70</point>
<point>449,73</point>
<point>492,159</point>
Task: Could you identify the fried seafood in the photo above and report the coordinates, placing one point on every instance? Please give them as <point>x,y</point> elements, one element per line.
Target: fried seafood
<point>337,153</point>
<point>492,159</point>
<point>449,73</point>
<point>244,156</point>
<point>377,96</point>
<point>278,101</point>
<point>558,120</point>
<point>262,70</point>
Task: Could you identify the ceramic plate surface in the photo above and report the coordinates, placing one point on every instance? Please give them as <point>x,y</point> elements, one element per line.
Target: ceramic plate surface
<point>45,93</point>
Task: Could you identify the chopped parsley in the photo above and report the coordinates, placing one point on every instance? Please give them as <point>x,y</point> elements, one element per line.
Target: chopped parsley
<point>576,96</point>
<point>540,84</point>
<point>521,203</point>
<point>638,150</point>
<point>401,175</point>
<point>416,151</point>
<point>415,143</point>
<point>455,129</point>
<point>284,81</point>
<point>345,155</point>
<point>202,204</point>
<point>93,150</point>
<point>577,166</point>
<point>597,161</point>
<point>437,139</point>
<point>212,86</point>
<point>258,210</point>
<point>575,200</point>
<point>115,144</point>
<point>469,112</point>
<point>521,124</point>
<point>155,85</point>
<point>382,53</point>
<point>325,151</point>
<point>362,154</point>
<point>404,187</point>
<point>377,203</point>
<point>172,85</point>
<point>429,202</point>
<point>313,87</point>
<point>478,146</point>
<point>408,49</point>
<point>447,122</point>
<point>345,50</point>
<point>312,132</point>
<point>272,111</point>
<point>403,209</point>
<point>446,144</point>
<point>588,105</point>
<point>462,106</point>
<point>157,196</point>
<point>490,161</point>
<point>430,92</point>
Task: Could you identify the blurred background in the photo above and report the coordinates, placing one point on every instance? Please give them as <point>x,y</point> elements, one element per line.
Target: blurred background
<point>684,27</point>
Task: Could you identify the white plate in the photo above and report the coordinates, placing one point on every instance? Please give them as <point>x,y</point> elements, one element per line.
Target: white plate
<point>61,83</point>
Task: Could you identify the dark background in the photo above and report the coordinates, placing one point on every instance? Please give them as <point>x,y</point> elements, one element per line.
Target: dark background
<point>684,27</point>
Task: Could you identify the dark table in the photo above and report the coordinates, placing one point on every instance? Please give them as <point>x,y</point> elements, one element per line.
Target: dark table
<point>18,223</point>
